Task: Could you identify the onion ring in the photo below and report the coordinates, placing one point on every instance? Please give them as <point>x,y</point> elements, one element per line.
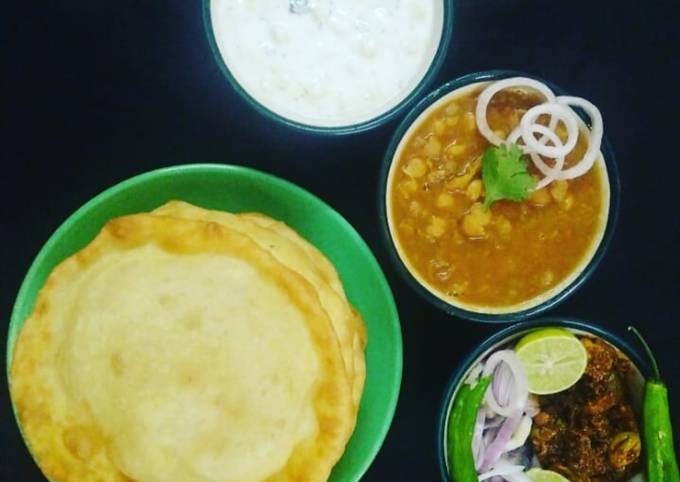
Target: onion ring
<point>538,149</point>
<point>520,389</point>
<point>557,111</point>
<point>551,173</point>
<point>595,141</point>
<point>486,95</point>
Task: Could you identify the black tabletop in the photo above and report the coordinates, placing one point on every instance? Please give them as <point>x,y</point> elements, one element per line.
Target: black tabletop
<point>98,91</point>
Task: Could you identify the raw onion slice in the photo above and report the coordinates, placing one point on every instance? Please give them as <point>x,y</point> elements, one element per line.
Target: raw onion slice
<point>558,108</point>
<point>497,448</point>
<point>520,435</point>
<point>559,112</point>
<point>486,95</point>
<point>502,468</point>
<point>502,384</point>
<point>478,445</point>
<point>550,173</point>
<point>595,141</point>
<point>519,392</point>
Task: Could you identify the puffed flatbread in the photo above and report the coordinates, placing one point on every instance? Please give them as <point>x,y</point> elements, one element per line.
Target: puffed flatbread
<point>177,350</point>
<point>329,273</point>
<point>300,256</point>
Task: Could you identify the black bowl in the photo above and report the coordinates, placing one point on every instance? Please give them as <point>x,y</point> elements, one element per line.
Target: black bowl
<point>506,317</point>
<point>514,333</point>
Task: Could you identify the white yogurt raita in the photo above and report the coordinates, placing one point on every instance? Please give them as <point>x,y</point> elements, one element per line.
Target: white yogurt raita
<point>328,63</point>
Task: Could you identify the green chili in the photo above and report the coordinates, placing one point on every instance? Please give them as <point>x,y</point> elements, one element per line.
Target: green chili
<point>662,464</point>
<point>461,429</point>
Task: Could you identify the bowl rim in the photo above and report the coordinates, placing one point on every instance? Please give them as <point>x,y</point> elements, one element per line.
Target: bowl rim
<point>389,242</point>
<point>395,360</point>
<point>379,120</point>
<point>568,322</point>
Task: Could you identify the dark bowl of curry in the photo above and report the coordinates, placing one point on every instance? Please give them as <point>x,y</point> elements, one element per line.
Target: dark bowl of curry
<point>506,263</point>
<point>583,432</point>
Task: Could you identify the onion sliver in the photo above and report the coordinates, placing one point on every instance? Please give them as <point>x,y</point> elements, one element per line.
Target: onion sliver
<point>559,112</point>
<point>595,141</point>
<point>558,108</point>
<point>502,384</point>
<point>551,173</point>
<point>478,445</point>
<point>520,435</point>
<point>503,469</point>
<point>497,448</point>
<point>520,388</point>
<point>486,95</point>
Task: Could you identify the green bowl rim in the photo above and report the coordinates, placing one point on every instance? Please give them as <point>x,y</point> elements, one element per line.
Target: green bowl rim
<point>521,315</point>
<point>430,74</point>
<point>500,337</point>
<point>397,361</point>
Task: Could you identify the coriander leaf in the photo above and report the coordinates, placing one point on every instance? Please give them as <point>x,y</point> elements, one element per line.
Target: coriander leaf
<point>505,174</point>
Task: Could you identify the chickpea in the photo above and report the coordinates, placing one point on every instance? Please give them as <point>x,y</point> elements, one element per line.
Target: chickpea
<point>408,187</point>
<point>439,127</point>
<point>414,208</point>
<point>476,220</point>
<point>444,200</point>
<point>540,197</point>
<point>433,148</point>
<point>436,228</point>
<point>503,226</point>
<point>567,203</point>
<point>416,168</point>
<point>558,190</point>
<point>472,227</point>
<point>436,176</point>
<point>461,182</point>
<point>454,149</point>
<point>450,167</point>
<point>624,449</point>
<point>418,142</point>
<point>474,190</point>
<point>478,210</point>
<point>451,109</point>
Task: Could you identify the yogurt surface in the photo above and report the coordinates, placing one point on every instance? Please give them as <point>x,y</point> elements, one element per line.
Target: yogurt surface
<point>328,63</point>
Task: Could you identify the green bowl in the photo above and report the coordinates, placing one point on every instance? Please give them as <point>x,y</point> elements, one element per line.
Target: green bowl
<point>237,189</point>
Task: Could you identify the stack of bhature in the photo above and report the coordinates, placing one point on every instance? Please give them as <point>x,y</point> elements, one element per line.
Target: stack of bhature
<point>190,345</point>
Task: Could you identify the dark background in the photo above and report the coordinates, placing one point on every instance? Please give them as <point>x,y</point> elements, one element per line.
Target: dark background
<point>97,91</point>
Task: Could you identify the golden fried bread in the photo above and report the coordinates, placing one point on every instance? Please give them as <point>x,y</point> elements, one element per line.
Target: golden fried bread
<point>329,273</point>
<point>178,350</point>
<point>294,253</point>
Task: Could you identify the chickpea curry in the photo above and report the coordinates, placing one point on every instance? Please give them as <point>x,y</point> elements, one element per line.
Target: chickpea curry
<point>499,257</point>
